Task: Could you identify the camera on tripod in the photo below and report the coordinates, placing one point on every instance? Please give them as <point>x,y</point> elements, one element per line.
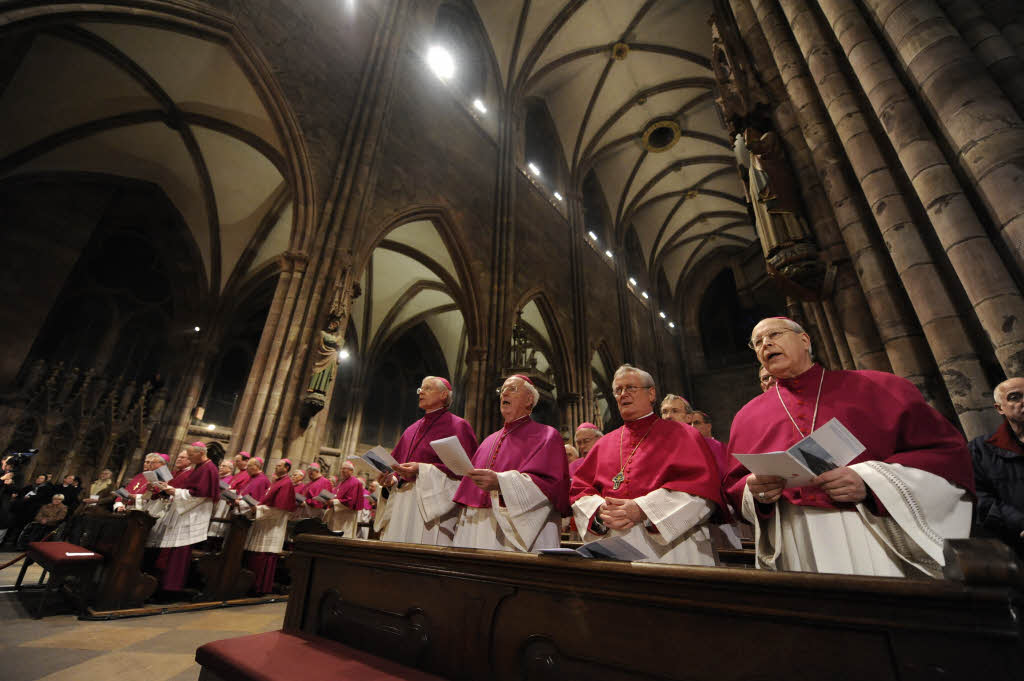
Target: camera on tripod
<point>18,458</point>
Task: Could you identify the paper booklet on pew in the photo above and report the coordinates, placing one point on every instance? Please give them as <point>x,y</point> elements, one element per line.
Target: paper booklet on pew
<point>380,458</point>
<point>250,500</point>
<point>326,495</point>
<point>162,474</point>
<point>224,484</point>
<point>229,494</point>
<point>300,498</point>
<point>450,451</point>
<point>831,446</point>
<point>123,493</point>
<point>609,548</point>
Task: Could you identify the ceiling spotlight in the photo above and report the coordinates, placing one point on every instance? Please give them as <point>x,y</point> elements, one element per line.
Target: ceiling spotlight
<point>196,329</point>
<point>632,281</point>
<point>592,236</point>
<point>533,169</point>
<point>343,354</point>
<point>211,427</point>
<point>663,315</point>
<point>441,62</point>
<point>479,106</point>
<point>671,325</point>
<point>644,294</point>
<point>608,253</point>
<point>558,196</point>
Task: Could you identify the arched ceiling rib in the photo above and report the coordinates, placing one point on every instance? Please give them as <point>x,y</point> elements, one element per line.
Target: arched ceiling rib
<point>148,103</point>
<point>601,106</point>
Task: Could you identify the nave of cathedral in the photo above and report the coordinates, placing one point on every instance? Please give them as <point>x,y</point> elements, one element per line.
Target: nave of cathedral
<point>280,229</point>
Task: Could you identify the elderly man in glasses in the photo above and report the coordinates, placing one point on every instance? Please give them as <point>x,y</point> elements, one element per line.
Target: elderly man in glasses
<point>653,481</point>
<point>416,502</point>
<point>888,511</point>
<point>517,493</point>
<point>999,469</point>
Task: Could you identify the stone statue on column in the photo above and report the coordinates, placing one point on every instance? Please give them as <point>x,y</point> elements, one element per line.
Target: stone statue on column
<point>329,342</point>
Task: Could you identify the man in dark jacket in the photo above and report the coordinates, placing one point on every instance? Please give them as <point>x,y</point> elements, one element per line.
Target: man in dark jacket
<point>999,470</point>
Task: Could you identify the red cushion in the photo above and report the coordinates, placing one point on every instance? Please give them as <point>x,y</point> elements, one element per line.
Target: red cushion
<point>55,553</point>
<point>277,656</point>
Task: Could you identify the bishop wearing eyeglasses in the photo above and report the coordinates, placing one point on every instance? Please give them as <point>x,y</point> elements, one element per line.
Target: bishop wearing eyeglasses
<point>416,504</point>
<point>653,481</point>
<point>888,511</point>
<point>516,495</point>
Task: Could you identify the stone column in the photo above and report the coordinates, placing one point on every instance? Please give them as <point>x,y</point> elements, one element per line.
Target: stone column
<point>991,46</point>
<point>580,360</point>
<point>476,387</point>
<point>906,353</point>
<point>1008,15</point>
<point>947,336</point>
<point>989,285</point>
<point>977,120</point>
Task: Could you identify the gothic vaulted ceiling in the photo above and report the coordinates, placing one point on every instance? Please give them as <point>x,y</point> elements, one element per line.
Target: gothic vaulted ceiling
<point>609,71</point>
<point>153,104</point>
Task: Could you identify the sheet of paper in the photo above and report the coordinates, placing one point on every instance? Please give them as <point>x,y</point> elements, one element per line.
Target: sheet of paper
<point>780,464</point>
<point>450,451</point>
<point>300,498</point>
<point>326,495</point>
<point>150,476</point>
<point>560,552</point>
<point>164,473</point>
<point>614,548</point>
<point>122,492</point>
<point>250,500</point>
<point>229,494</point>
<point>224,484</point>
<point>380,458</point>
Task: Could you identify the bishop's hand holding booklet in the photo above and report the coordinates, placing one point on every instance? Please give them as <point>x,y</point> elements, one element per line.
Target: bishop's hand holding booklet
<point>831,446</point>
<point>162,474</point>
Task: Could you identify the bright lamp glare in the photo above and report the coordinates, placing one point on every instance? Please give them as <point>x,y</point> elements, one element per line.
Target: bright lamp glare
<point>196,329</point>
<point>441,62</point>
<point>608,253</point>
<point>343,354</point>
<point>644,294</point>
<point>663,315</point>
<point>671,325</point>
<point>592,236</point>
<point>479,106</point>
<point>632,281</point>
<point>558,196</point>
<point>533,169</point>
<point>211,427</point>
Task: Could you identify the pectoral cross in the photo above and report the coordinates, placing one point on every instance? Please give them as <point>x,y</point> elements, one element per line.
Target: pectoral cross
<point>618,480</point>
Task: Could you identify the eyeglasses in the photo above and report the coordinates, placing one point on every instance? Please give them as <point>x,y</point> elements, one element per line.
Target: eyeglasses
<point>618,392</point>
<point>420,391</point>
<point>510,388</point>
<point>1015,396</point>
<point>774,335</point>
<point>766,379</point>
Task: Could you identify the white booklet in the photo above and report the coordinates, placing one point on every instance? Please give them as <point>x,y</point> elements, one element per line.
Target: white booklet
<point>609,548</point>
<point>831,446</point>
<point>380,458</point>
<point>450,451</point>
<point>162,474</point>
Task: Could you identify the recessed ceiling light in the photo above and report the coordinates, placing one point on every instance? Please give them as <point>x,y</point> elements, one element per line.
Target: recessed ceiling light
<point>671,325</point>
<point>343,354</point>
<point>533,169</point>
<point>644,294</point>
<point>558,196</point>
<point>662,315</point>
<point>479,106</point>
<point>196,329</point>
<point>608,253</point>
<point>592,236</point>
<point>632,281</point>
<point>211,427</point>
<point>441,62</point>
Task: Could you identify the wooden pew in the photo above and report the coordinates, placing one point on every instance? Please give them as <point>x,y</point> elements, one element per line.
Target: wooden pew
<point>121,539</point>
<point>464,614</point>
<point>223,576</point>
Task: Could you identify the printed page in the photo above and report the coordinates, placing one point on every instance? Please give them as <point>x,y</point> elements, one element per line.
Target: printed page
<point>380,458</point>
<point>450,451</point>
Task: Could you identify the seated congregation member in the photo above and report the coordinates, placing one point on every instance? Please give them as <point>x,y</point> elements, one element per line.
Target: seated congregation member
<point>652,481</point>
<point>270,528</point>
<point>71,488</point>
<point>316,483</point>
<point>515,497</point>
<point>101,487</point>
<point>192,496</point>
<point>138,487</point>
<point>766,380</point>
<point>420,508</point>
<point>48,517</point>
<point>999,469</point>
<point>343,513</point>
<point>888,512</point>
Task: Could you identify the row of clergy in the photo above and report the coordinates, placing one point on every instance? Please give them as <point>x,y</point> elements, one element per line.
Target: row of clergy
<point>655,483</point>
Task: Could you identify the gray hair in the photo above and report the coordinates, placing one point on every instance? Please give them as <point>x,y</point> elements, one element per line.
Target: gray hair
<point>153,456</point>
<point>530,388</point>
<point>630,369</point>
<point>441,387</point>
<point>584,430</point>
<point>795,328</point>
<point>999,394</point>
<point>59,497</point>
<point>673,396</point>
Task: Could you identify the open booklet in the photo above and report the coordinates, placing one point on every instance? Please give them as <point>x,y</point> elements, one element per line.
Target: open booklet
<point>250,500</point>
<point>831,446</point>
<point>122,493</point>
<point>450,451</point>
<point>326,495</point>
<point>380,458</point>
<point>229,494</point>
<point>300,498</point>
<point>609,548</point>
<point>162,474</point>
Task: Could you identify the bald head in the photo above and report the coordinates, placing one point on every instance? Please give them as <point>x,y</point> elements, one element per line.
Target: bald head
<point>347,470</point>
<point>1009,396</point>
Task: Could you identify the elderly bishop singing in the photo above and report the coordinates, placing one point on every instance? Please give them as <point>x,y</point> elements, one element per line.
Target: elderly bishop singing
<point>888,511</point>
<point>515,497</point>
<point>420,509</point>
<point>652,481</point>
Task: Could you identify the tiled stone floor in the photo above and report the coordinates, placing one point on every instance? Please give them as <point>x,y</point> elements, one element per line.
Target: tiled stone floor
<point>157,648</point>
